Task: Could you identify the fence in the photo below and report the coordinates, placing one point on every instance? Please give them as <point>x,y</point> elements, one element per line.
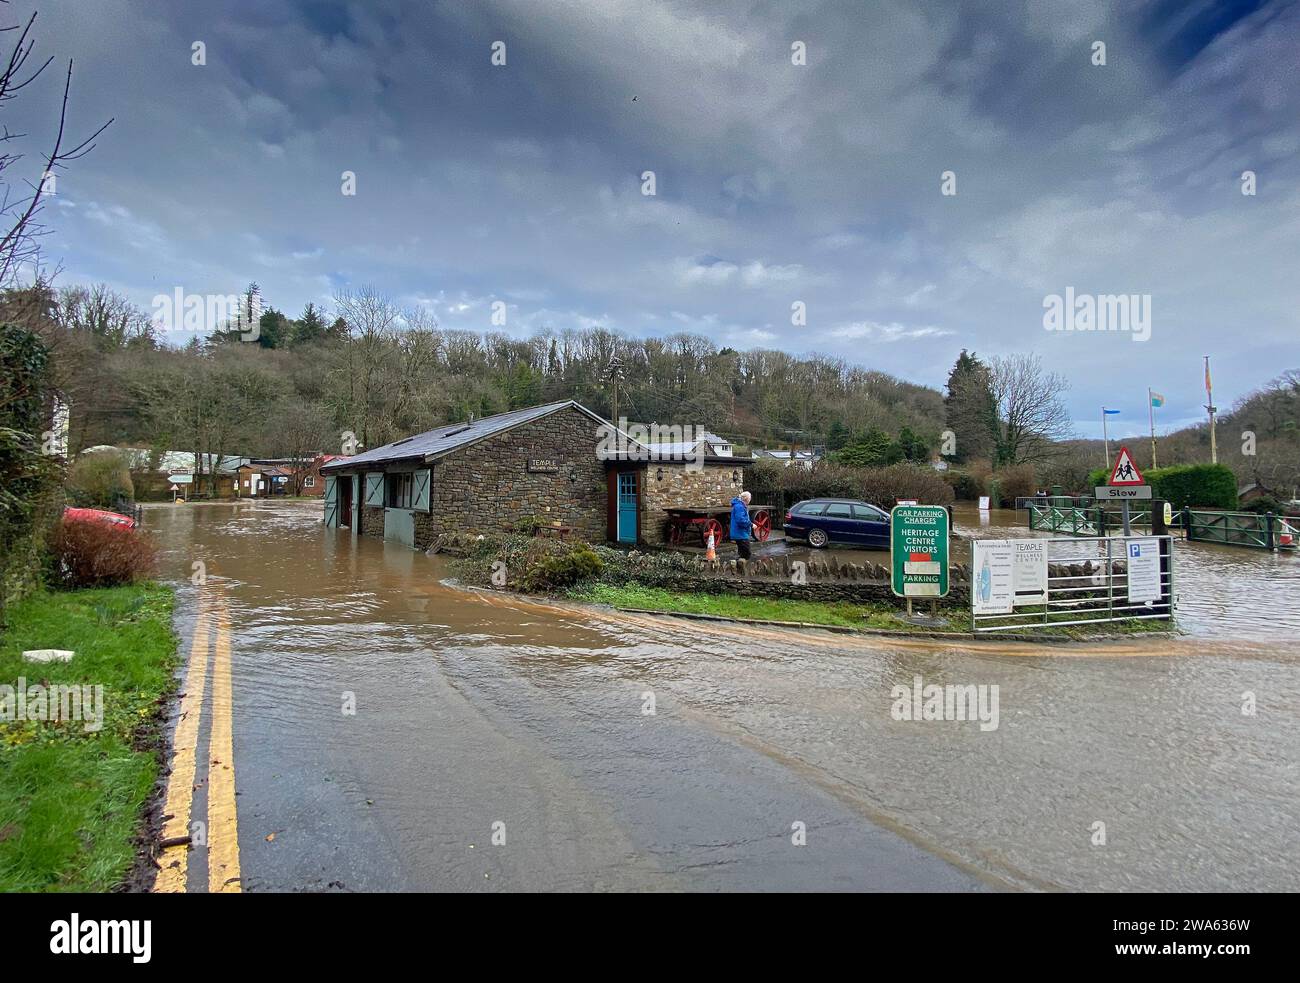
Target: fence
<point>1093,521</point>
<point>1060,501</point>
<point>1265,531</point>
<point>1088,583</point>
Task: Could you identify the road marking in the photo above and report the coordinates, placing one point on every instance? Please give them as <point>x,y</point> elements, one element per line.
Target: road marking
<point>180,785</point>
<point>223,820</point>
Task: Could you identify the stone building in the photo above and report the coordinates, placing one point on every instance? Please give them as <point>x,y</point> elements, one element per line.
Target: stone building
<point>555,463</point>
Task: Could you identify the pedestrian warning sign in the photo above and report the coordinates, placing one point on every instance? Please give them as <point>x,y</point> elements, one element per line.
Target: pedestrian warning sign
<point>1125,471</point>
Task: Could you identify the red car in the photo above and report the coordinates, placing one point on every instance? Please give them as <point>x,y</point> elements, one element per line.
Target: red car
<point>98,515</point>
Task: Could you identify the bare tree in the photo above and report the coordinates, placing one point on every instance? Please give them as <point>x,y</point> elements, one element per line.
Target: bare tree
<point>372,318</point>
<point>104,315</point>
<point>20,208</point>
<point>1031,414</point>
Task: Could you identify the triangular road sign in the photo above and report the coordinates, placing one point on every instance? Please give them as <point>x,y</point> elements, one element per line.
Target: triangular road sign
<point>1125,471</point>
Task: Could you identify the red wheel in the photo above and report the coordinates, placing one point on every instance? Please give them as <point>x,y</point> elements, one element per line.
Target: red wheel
<point>711,526</point>
<point>762,525</point>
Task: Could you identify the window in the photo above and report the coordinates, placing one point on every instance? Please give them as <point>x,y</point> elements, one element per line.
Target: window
<point>809,508</point>
<point>868,513</point>
<point>400,490</point>
<point>309,481</point>
<point>840,510</point>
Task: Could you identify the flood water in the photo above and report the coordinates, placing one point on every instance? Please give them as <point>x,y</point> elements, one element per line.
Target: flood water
<point>475,708</point>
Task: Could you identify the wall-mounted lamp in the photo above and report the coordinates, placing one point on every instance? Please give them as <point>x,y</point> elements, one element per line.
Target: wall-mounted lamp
<point>735,477</point>
<point>659,474</point>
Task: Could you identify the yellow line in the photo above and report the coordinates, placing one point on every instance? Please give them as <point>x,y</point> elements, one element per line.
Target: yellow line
<point>180,785</point>
<point>223,824</point>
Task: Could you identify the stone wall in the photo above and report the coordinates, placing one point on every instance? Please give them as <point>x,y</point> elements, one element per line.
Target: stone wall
<point>487,487</point>
<point>372,521</point>
<point>684,487</point>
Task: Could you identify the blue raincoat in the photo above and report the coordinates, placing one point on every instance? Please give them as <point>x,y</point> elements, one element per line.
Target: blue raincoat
<point>740,523</point>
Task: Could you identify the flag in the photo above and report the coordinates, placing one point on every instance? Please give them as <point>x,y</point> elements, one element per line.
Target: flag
<point>1208,388</point>
<point>1109,412</point>
<point>1157,400</point>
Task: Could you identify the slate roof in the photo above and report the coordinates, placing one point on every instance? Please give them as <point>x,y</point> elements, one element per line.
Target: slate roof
<point>445,439</point>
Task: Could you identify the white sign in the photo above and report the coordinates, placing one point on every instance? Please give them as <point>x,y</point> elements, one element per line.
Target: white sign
<point>1143,570</point>
<point>984,503</point>
<point>992,563</point>
<point>1008,573</point>
<point>1029,572</point>
<point>1125,493</point>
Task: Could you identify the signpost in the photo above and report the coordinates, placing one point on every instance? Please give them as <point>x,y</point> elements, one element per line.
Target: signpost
<point>1126,484</point>
<point>918,552</point>
<point>1109,493</point>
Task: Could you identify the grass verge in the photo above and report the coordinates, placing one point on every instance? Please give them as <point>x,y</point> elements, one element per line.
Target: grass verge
<point>846,614</point>
<point>73,800</point>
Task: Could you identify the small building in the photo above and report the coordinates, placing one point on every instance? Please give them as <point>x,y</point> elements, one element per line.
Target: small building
<point>313,484</point>
<point>559,463</point>
<point>803,459</point>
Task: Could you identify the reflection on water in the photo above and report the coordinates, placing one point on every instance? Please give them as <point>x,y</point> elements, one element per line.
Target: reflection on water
<point>1147,736</point>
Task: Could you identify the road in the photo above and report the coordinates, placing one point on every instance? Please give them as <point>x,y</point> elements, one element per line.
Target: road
<point>361,726</point>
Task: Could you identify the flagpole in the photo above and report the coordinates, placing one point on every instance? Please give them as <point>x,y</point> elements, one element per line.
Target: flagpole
<point>1151,412</point>
<point>1209,395</point>
<point>1105,436</point>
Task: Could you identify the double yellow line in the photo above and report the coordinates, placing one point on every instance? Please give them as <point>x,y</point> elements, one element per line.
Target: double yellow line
<point>222,828</point>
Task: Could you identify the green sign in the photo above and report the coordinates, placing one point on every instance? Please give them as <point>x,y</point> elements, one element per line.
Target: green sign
<point>918,550</point>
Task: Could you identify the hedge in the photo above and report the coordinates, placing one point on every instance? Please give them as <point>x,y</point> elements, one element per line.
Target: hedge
<point>1206,486</point>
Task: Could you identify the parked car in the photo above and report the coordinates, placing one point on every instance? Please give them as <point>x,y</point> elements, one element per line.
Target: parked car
<point>822,521</point>
<point>98,515</point>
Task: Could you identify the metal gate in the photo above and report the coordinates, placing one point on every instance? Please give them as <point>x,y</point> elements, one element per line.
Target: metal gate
<point>1088,583</point>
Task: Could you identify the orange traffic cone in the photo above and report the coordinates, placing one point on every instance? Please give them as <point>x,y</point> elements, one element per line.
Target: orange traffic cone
<point>709,554</point>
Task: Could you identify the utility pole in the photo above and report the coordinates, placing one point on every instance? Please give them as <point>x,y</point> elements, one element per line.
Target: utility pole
<point>1210,408</point>
<point>1151,412</point>
<point>615,374</point>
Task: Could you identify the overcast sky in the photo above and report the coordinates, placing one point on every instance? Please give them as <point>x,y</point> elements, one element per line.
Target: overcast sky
<point>775,183</point>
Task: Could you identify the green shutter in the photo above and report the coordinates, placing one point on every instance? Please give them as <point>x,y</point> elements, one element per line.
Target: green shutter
<point>422,490</point>
<point>375,488</point>
<point>331,502</point>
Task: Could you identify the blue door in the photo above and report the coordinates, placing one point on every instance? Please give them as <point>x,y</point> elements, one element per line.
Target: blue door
<point>627,507</point>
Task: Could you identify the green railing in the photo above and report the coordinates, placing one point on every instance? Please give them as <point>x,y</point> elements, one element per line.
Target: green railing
<point>1077,521</point>
<point>1251,529</point>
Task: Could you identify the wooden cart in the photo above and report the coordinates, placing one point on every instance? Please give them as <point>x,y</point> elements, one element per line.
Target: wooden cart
<point>687,526</point>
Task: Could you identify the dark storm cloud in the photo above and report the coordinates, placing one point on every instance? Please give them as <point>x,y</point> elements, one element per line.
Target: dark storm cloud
<point>776,183</point>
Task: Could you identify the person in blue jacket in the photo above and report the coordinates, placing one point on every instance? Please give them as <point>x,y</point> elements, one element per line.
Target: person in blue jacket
<point>740,524</point>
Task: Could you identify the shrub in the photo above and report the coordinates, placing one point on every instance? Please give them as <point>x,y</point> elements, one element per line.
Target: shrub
<point>1208,486</point>
<point>30,481</point>
<point>1016,481</point>
<point>97,554</point>
<point>562,570</point>
<point>1262,505</point>
<point>884,486</point>
<point>1211,486</point>
<point>100,480</point>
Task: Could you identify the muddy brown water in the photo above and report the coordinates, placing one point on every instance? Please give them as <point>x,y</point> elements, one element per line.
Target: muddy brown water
<point>474,705</point>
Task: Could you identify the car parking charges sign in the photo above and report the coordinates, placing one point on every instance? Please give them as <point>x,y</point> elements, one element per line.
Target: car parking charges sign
<point>918,550</point>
